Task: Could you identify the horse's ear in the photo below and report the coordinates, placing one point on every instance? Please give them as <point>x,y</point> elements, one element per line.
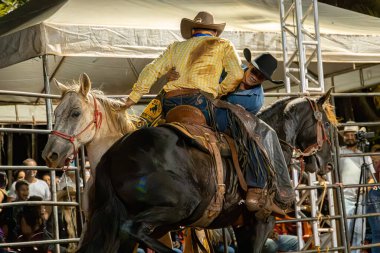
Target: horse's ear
<point>85,84</point>
<point>63,88</point>
<point>325,97</point>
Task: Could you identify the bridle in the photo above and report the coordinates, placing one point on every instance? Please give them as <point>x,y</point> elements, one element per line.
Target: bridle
<point>97,121</point>
<point>321,137</point>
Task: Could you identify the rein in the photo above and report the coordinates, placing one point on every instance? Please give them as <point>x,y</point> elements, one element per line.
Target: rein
<point>317,146</point>
<point>97,121</point>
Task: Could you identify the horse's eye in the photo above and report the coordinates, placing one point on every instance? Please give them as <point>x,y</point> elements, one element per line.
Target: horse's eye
<point>327,124</point>
<point>75,114</point>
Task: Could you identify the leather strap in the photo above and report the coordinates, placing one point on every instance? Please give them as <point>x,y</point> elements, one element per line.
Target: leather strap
<point>208,139</point>
<point>181,92</point>
<point>221,187</point>
<point>235,160</point>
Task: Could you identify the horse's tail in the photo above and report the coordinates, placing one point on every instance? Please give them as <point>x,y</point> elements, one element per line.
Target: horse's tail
<point>105,213</point>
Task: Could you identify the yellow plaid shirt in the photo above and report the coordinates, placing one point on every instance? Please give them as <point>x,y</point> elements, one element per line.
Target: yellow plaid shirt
<point>199,61</point>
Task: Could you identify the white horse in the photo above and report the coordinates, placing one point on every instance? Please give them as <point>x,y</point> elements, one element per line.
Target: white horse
<point>88,118</point>
<point>85,117</point>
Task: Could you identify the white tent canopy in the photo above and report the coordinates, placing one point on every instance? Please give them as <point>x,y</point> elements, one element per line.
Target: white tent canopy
<point>113,40</point>
<point>142,29</point>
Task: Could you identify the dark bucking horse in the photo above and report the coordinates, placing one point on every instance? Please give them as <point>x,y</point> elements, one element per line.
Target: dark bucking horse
<point>154,180</point>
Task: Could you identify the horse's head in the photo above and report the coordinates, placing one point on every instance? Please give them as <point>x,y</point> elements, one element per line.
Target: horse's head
<point>77,118</point>
<point>307,123</point>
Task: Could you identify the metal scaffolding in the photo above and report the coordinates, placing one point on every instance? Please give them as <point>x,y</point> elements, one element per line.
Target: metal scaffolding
<point>296,64</point>
<point>308,47</point>
<point>294,16</point>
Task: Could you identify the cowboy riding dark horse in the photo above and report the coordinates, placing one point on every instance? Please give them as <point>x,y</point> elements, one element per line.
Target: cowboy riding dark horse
<point>200,60</point>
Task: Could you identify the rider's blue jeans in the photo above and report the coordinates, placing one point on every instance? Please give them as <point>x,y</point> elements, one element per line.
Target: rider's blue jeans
<point>197,100</point>
<point>373,206</point>
<point>251,100</point>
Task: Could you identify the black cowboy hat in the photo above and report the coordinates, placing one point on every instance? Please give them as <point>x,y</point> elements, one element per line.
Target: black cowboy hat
<point>203,19</point>
<point>265,63</point>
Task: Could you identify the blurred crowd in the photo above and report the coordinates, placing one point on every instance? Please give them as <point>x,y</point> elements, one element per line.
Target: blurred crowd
<point>24,222</point>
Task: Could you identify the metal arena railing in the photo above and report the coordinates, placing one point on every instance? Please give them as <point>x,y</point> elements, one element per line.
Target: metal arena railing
<point>78,170</point>
<point>337,196</point>
<point>305,192</point>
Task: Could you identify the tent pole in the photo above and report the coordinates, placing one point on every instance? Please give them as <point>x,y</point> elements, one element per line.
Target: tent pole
<point>53,74</point>
<point>49,121</point>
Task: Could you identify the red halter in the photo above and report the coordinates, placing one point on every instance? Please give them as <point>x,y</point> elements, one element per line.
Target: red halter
<point>97,121</point>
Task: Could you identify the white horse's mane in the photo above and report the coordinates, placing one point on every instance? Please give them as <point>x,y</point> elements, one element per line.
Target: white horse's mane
<point>113,108</point>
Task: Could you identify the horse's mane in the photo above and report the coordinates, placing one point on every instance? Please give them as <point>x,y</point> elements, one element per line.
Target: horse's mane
<point>113,107</point>
<point>270,110</point>
<point>118,116</point>
<point>330,114</point>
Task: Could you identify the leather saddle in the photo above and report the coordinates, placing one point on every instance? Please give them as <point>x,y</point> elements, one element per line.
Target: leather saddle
<point>190,123</point>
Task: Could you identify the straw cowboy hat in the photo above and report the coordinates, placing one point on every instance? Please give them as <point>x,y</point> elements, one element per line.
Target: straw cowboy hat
<point>203,19</point>
<point>265,63</point>
<point>350,128</point>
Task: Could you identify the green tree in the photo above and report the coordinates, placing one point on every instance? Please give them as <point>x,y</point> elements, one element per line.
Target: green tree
<point>7,6</point>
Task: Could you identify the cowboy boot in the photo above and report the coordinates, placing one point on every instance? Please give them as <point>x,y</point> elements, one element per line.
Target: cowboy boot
<point>255,199</point>
<point>270,208</point>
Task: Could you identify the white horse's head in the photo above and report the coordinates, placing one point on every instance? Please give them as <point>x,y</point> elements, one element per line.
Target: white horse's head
<point>78,119</point>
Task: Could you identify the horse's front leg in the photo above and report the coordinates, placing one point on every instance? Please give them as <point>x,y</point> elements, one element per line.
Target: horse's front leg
<point>132,232</point>
<point>261,233</point>
<point>251,238</point>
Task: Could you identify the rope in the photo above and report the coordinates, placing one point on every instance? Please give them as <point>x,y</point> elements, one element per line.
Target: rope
<point>319,249</point>
<point>323,183</point>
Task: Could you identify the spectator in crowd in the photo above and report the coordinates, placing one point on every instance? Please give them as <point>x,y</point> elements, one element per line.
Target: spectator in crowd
<point>68,180</point>
<point>373,205</point>
<point>352,172</point>
<point>13,212</point>
<point>22,190</point>
<point>37,187</point>
<point>46,178</point>
<point>376,160</point>
<point>3,199</point>
<point>3,187</point>
<point>282,243</point>
<point>216,238</point>
<point>282,239</point>
<point>20,175</point>
<point>177,238</point>
<point>32,227</point>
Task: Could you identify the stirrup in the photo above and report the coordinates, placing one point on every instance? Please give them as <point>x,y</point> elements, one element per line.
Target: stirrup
<point>276,209</point>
